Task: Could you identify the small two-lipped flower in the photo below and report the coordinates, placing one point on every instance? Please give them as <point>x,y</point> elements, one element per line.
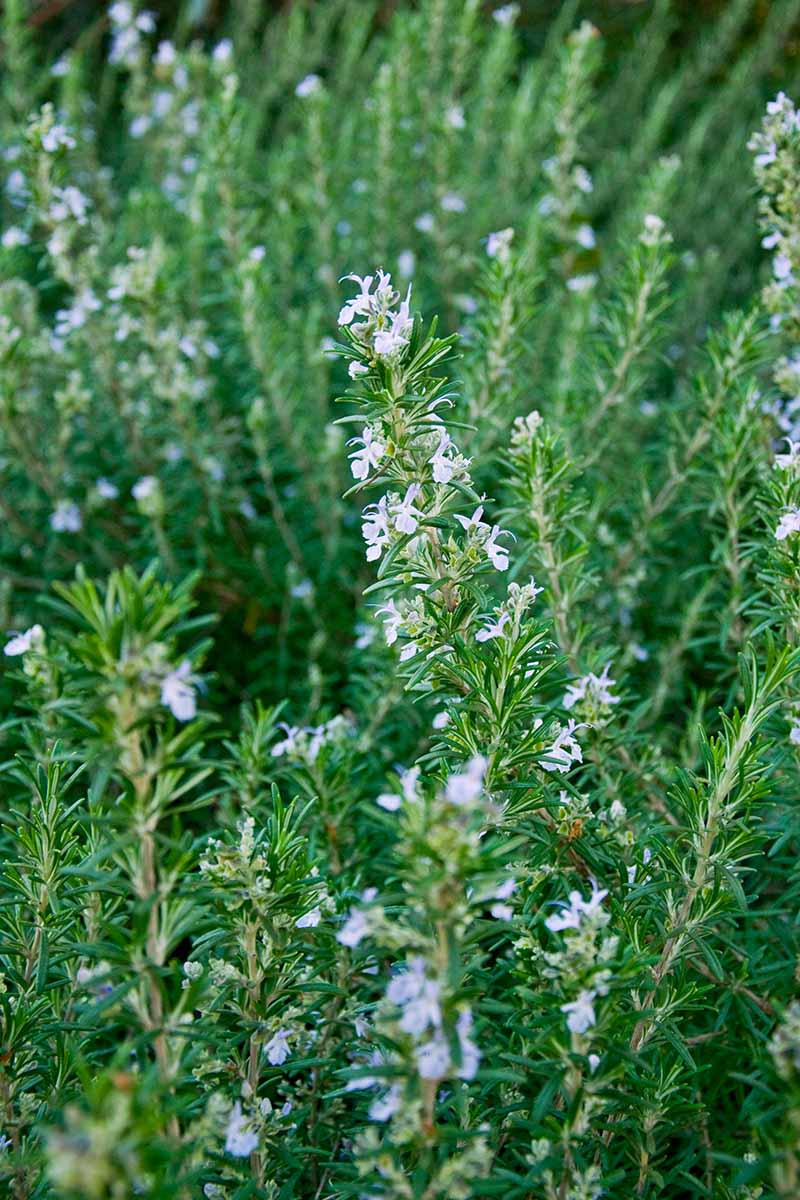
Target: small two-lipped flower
<point>384,331</point>
<point>497,554</point>
<point>788,524</point>
<point>573,913</point>
<point>369,456</point>
<point>178,692</point>
<point>23,643</point>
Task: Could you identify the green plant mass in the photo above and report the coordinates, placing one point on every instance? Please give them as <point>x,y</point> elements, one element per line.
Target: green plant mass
<point>399,600</point>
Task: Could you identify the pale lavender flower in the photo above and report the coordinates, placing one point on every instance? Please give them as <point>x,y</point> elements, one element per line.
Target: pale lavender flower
<point>453,202</point>
<point>433,1058</point>
<point>564,751</point>
<point>581,1015</point>
<point>506,15</point>
<point>240,1139</point>
<point>66,517</point>
<point>392,621</point>
<point>375,528</point>
<point>404,512</point>
<point>277,1048</point>
<point>354,930</point>
<point>13,237</point>
<point>21,643</point>
<point>470,1054</point>
<point>465,788</point>
<point>309,920</point>
<point>178,694</point>
<point>443,465</point>
<point>497,554</point>
<point>788,524</point>
<point>308,86</point>
<point>387,1105</point>
<point>494,629</point>
<point>369,456</point>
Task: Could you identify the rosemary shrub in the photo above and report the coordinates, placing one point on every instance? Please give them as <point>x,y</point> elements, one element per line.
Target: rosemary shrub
<point>401,691</point>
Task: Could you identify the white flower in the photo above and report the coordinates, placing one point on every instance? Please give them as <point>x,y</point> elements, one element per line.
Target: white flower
<point>585,236</point>
<point>144,487</point>
<point>105,488</point>
<point>468,524</point>
<point>465,788</point>
<point>470,1054</point>
<point>617,812</point>
<point>66,517</point>
<point>596,687</point>
<point>443,466</point>
<point>420,1002</point>
<point>494,629</point>
<point>165,55</point>
<point>21,643</point>
<point>581,1012</point>
<point>360,305</point>
<point>441,720</point>
<point>308,86</point>
<point>355,928</point>
<point>453,202</point>
<point>506,889</point>
<point>388,342</point>
<point>581,283</point>
<point>356,368</point>
<point>392,621</point>
<point>69,202</point>
<point>277,1048</point>
<point>506,15</point>
<point>375,528</point>
<point>387,1105</point>
<point>433,1058</point>
<point>788,524</point>
<point>767,156</point>
<point>498,245</point>
<point>139,126</point>
<point>572,913</point>
<point>406,262</point>
<point>240,1140</point>
<point>309,920</point>
<point>404,513</point>
<point>56,137</point>
<point>497,554</point>
<point>370,454</point>
<point>455,117</point>
<point>583,180</point>
<point>177,694</point>
<point>564,751</point>
<point>654,231</point>
<point>425,223</point>
<point>782,266</point>
<point>223,51</point>
<point>287,745</point>
<point>13,237</point>
<point>408,783</point>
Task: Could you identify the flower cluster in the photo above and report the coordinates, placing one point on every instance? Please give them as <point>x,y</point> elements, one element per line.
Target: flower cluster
<point>584,961</point>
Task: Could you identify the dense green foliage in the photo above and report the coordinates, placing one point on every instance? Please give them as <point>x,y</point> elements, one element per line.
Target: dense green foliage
<point>465,866</point>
